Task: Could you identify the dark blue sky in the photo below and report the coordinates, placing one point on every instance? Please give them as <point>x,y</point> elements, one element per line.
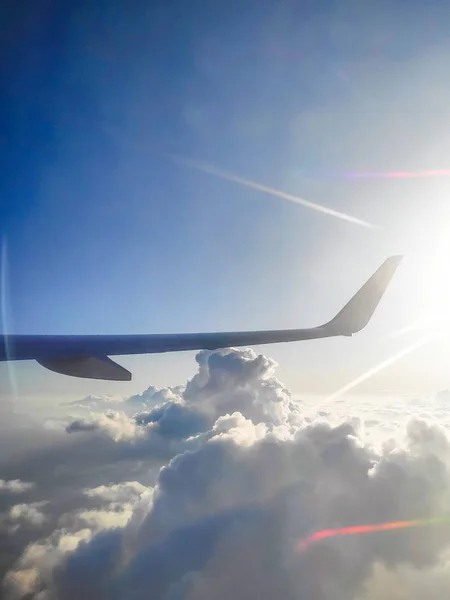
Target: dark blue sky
<point>101,233</point>
<point>90,90</point>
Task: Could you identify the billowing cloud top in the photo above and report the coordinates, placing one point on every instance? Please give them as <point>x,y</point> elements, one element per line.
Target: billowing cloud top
<point>205,492</point>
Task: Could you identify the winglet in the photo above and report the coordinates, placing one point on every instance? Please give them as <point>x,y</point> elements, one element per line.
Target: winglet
<point>358,311</point>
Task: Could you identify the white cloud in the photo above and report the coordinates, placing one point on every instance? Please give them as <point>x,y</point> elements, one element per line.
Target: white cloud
<point>147,399</point>
<point>121,492</point>
<point>247,472</point>
<point>99,402</point>
<point>112,423</point>
<point>35,566</point>
<point>15,486</point>
<point>407,583</point>
<point>30,513</point>
<point>97,520</point>
<point>239,429</point>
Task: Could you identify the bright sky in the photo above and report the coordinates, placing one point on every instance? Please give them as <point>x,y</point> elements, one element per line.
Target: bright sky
<point>104,230</point>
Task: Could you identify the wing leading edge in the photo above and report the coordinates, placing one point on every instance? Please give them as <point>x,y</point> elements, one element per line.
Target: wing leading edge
<point>87,355</point>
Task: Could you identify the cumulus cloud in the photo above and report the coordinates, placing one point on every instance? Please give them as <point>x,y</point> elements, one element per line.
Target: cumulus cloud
<point>145,400</point>
<point>28,514</point>
<point>227,382</point>
<point>241,476</point>
<point>36,564</point>
<point>121,492</point>
<point>115,424</point>
<point>153,396</point>
<point>112,506</point>
<point>240,380</point>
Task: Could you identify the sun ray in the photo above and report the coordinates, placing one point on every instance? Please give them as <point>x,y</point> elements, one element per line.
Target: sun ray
<point>417,325</point>
<point>374,370</point>
<point>4,308</point>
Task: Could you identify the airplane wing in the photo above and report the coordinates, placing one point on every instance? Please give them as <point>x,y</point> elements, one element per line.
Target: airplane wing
<point>87,355</point>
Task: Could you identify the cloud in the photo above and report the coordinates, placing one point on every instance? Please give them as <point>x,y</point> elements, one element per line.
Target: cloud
<point>228,509</point>
<point>122,492</point>
<point>112,508</point>
<point>23,515</point>
<point>228,382</point>
<point>230,477</point>
<point>431,583</point>
<point>152,396</point>
<point>28,512</point>
<point>149,398</point>
<point>15,486</point>
<point>100,402</point>
<point>443,396</point>
<point>174,419</point>
<point>38,561</point>
<point>115,424</point>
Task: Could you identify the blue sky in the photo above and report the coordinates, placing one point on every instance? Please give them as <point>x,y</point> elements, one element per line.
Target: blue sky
<point>102,233</point>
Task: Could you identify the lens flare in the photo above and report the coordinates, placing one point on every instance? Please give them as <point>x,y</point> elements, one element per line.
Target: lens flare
<point>4,321</point>
<point>303,544</point>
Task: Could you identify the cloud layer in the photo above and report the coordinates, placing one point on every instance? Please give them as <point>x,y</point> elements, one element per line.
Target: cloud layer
<point>203,491</point>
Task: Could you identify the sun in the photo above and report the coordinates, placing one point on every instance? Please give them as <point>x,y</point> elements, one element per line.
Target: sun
<point>436,285</point>
<point>422,285</point>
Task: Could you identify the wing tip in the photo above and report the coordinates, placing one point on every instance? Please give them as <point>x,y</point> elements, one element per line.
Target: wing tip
<point>395,259</point>
<point>359,310</point>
